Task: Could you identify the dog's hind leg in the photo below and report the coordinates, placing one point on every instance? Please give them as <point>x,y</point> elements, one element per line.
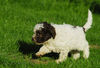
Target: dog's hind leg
<point>63,55</point>
<point>86,52</point>
<point>76,56</point>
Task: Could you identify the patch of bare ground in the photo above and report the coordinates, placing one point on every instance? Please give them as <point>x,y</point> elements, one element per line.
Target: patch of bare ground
<point>36,61</point>
<point>95,46</point>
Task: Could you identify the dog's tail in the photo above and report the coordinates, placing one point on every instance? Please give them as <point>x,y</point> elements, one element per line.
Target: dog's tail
<point>89,21</point>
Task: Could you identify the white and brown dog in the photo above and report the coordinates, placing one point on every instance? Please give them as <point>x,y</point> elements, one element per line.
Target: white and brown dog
<point>62,39</point>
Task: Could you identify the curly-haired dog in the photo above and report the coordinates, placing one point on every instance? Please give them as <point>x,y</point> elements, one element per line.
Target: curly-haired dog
<point>62,39</point>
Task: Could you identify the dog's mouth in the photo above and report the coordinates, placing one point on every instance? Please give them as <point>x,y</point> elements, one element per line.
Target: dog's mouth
<point>37,42</point>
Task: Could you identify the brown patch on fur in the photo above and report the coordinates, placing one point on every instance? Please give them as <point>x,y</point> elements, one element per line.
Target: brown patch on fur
<point>50,28</point>
<point>42,35</point>
<point>45,33</point>
<point>74,26</point>
<point>74,51</point>
<point>83,29</point>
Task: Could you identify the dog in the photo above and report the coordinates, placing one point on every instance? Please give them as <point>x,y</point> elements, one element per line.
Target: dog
<point>62,39</point>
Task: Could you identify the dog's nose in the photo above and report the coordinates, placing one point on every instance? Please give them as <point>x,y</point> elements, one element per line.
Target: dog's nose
<point>32,39</point>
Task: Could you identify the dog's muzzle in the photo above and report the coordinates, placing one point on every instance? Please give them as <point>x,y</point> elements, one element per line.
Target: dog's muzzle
<point>35,41</point>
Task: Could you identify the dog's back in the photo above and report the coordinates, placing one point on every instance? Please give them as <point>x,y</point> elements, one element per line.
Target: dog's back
<point>69,35</point>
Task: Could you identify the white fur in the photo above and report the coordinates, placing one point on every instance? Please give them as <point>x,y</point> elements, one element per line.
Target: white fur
<point>89,21</point>
<point>38,27</point>
<point>67,38</point>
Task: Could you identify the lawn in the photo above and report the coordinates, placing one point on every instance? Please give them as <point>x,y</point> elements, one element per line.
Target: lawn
<point>18,18</point>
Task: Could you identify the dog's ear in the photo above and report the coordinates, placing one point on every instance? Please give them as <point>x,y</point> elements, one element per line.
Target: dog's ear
<point>50,28</point>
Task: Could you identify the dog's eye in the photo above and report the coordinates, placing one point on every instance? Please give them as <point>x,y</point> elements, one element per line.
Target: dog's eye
<point>38,34</point>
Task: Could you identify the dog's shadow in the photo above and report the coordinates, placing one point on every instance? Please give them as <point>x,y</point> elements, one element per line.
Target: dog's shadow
<point>31,48</point>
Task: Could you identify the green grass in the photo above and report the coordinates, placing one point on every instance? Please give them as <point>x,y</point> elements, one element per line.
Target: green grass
<point>17,19</point>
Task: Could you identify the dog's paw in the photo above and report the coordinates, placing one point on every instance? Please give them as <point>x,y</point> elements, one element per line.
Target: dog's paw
<point>76,56</point>
<point>39,54</point>
<point>58,61</point>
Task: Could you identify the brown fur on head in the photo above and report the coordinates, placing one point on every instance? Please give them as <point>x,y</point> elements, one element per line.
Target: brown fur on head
<point>45,32</point>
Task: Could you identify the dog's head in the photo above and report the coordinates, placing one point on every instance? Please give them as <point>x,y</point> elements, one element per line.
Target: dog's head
<point>43,32</point>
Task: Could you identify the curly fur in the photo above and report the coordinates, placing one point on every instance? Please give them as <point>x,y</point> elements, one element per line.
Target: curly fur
<point>67,38</point>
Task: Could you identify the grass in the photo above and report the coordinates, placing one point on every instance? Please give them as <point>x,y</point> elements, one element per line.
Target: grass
<point>17,19</point>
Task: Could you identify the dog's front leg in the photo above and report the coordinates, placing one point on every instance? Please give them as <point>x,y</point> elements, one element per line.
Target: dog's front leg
<point>63,55</point>
<point>43,50</point>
